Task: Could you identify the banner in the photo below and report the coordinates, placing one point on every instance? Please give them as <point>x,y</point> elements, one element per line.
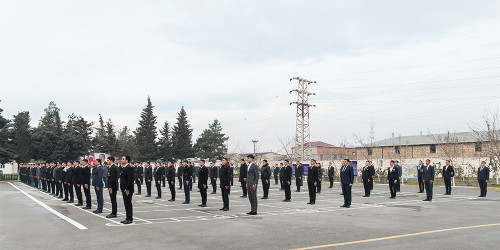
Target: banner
<point>409,171</point>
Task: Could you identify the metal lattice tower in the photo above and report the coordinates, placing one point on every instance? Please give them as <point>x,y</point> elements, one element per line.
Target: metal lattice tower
<point>302,129</point>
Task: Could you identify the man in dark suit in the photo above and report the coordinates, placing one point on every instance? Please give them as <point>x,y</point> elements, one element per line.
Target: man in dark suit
<point>265,173</point>
<point>448,173</point>
<point>276,173</point>
<point>231,171</point>
<point>77,177</point>
<point>191,170</point>
<point>428,177</point>
<point>400,173</point>
<point>85,181</point>
<point>252,181</point>
<point>139,177</point>
<point>213,176</point>
<point>312,181</point>
<point>163,177</point>
<point>287,181</point>
<point>203,182</point>
<point>113,175</point>
<point>158,172</point>
<point>187,175</point>
<point>127,188</point>
<point>148,177</point>
<point>170,173</point>
<point>70,171</point>
<point>225,182</point>
<point>243,177</point>
<point>483,176</point>
<point>392,179</point>
<point>331,174</point>
<point>320,177</point>
<point>282,170</point>
<point>97,182</point>
<point>58,173</point>
<point>420,170</point>
<point>346,181</point>
<point>299,173</point>
<point>180,173</point>
<point>367,174</point>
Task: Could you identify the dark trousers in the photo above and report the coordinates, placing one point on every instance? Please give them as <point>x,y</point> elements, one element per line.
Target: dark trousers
<point>398,185</point>
<point>100,199</point>
<point>252,197</point>
<point>58,189</point>
<point>484,188</point>
<point>158,189</point>
<point>420,184</point>
<point>275,179</point>
<point>139,184</point>
<point>281,184</point>
<point>163,181</point>
<point>65,188</point>
<point>112,196</point>
<point>78,191</point>
<point>225,197</point>
<point>346,190</point>
<point>288,192</point>
<point>148,187</point>
<point>105,180</point>
<point>191,184</point>
<point>447,185</point>
<point>312,192</point>
<point>187,192</point>
<point>180,182</point>
<point>428,189</point>
<point>367,186</point>
<point>232,180</point>
<point>392,188</point>
<point>203,192</point>
<point>244,187</point>
<point>214,186</point>
<point>265,187</point>
<point>87,196</point>
<point>44,185</point>
<point>53,184</point>
<point>318,187</point>
<point>172,189</point>
<point>298,183</point>
<point>330,178</point>
<point>71,193</point>
<point>48,186</point>
<point>127,201</point>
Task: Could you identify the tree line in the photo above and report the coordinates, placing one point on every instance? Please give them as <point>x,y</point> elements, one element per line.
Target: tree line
<point>54,139</point>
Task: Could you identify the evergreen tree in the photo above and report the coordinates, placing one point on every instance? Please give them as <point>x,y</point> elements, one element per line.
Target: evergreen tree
<point>22,136</point>
<point>212,142</point>
<point>98,143</point>
<point>145,135</point>
<point>77,136</point>
<point>181,137</point>
<point>48,138</point>
<point>6,141</point>
<point>165,148</point>
<point>109,140</point>
<point>126,144</point>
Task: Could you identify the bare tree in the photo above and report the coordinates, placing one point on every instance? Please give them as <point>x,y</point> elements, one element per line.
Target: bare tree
<point>489,131</point>
<point>286,146</point>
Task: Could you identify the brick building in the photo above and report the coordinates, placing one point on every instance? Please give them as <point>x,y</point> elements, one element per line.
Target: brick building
<point>322,151</point>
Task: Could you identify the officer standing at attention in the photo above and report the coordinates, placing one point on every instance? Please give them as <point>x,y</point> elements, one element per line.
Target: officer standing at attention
<point>331,174</point>
<point>158,178</point>
<point>202,182</point>
<point>299,173</point>
<point>243,177</point>
<point>77,180</point>
<point>312,181</point>
<point>483,176</point>
<point>187,175</point>
<point>346,180</point>
<point>97,182</point>
<point>127,187</point>
<point>287,181</point>
<point>113,175</point>
<point>213,176</point>
<point>367,174</point>
<point>85,180</point>
<point>148,177</point>
<point>265,173</point>
<point>171,179</point>
<point>180,173</point>
<point>428,178</point>
<point>225,182</point>
<point>420,170</point>
<point>320,177</point>
<point>448,173</point>
<point>139,177</point>
<point>392,179</point>
<point>276,173</point>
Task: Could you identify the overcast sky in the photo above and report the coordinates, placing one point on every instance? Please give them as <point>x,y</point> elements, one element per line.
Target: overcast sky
<point>408,66</point>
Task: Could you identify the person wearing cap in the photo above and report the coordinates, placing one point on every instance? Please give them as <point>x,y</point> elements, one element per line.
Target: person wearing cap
<point>483,176</point>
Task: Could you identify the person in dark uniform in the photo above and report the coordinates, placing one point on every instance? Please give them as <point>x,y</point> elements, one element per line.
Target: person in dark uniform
<point>420,170</point>
<point>299,173</point>
<point>171,179</point>
<point>243,177</point>
<point>187,175</point>
<point>202,183</point>
<point>148,177</point>
<point>85,181</point>
<point>448,173</point>
<point>331,174</point>
<point>113,175</point>
<point>231,171</point>
<point>265,173</point>
<point>346,180</point>
<point>428,178</point>
<point>400,173</point>
<point>191,170</point>
<point>392,179</point>
<point>320,178</point>
<point>276,173</point>
<point>312,181</point>
<point>287,181</point>
<point>97,182</point>
<point>127,188</point>
<point>77,179</point>
<point>158,172</point>
<point>52,179</point>
<point>180,173</point>
<point>213,176</point>
<point>483,176</point>
<point>164,176</point>
<point>367,175</point>
<point>70,171</point>
<point>59,178</point>
<point>139,177</point>
<point>282,169</point>
<point>64,183</point>
<point>225,182</point>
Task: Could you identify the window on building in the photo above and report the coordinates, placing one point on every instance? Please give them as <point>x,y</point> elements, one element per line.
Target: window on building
<point>433,148</point>
<point>479,146</point>
<point>370,151</point>
<point>397,150</point>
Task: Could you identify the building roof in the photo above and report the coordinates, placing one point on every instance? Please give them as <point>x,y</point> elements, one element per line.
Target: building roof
<point>315,144</point>
<point>461,137</point>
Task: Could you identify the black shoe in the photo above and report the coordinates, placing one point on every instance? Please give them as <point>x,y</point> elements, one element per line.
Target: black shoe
<point>286,200</point>
<point>98,211</point>
<point>263,198</point>
<point>222,209</point>
<point>70,201</point>
<point>420,192</point>
<point>158,197</point>
<point>309,203</point>
<point>60,197</point>
<point>203,205</point>
<point>426,200</point>
<point>368,196</point>
<point>344,205</point>
<point>171,200</point>
<point>392,197</point>
<point>65,200</point>
<point>249,213</point>
<point>243,196</point>
<point>147,195</point>
<point>297,190</point>
<point>111,216</point>
<point>347,206</point>
<point>186,202</point>
<point>79,204</point>
<point>213,193</point>
<point>87,207</point>
<point>365,196</point>
<point>253,213</point>
<point>127,222</point>
<point>225,209</point>
<point>318,192</point>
